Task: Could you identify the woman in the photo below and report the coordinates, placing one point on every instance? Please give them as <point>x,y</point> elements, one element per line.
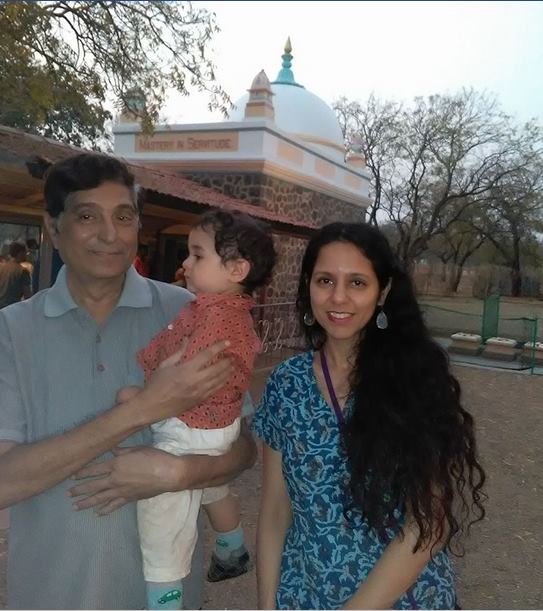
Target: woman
<point>370,467</point>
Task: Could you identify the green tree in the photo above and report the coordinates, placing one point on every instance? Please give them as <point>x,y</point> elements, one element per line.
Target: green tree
<point>60,59</point>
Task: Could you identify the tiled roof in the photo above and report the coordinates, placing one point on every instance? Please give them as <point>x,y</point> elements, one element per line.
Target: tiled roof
<point>177,186</point>
<point>47,151</point>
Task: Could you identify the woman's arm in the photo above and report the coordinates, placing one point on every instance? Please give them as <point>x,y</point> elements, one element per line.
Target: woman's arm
<point>274,520</point>
<point>395,572</point>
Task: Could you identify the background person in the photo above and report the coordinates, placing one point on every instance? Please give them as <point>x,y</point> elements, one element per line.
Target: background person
<point>141,262</point>
<point>33,254</point>
<point>370,468</point>
<point>15,282</point>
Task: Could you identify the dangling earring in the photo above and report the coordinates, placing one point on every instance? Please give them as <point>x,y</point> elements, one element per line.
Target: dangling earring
<point>309,319</point>
<point>381,321</point>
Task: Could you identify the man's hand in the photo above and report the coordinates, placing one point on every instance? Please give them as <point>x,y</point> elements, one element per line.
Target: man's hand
<point>177,387</point>
<point>132,474</point>
<point>28,469</point>
<point>139,473</point>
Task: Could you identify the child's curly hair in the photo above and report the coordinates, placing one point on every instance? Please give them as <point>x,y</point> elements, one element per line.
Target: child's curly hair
<point>238,235</point>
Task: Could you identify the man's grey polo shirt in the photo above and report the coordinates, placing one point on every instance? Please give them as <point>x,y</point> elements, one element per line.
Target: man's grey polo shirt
<point>59,368</point>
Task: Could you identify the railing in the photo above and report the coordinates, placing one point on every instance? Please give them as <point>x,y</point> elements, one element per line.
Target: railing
<point>444,322</point>
<point>277,327</point>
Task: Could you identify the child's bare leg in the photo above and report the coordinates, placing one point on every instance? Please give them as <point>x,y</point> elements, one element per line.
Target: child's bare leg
<point>230,558</point>
<point>127,393</point>
<point>224,514</point>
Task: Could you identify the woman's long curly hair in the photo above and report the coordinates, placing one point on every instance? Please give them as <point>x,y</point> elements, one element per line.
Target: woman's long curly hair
<point>409,442</point>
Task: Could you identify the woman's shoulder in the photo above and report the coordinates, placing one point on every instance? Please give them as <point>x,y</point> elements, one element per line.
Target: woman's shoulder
<point>299,365</point>
<point>286,388</point>
<point>291,372</point>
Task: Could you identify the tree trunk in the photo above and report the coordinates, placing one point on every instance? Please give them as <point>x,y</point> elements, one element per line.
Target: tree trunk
<point>516,282</point>
<point>443,272</point>
<point>516,276</point>
<point>402,250</point>
<point>455,277</point>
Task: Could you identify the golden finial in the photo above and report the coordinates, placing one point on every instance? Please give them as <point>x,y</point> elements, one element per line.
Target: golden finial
<point>288,46</point>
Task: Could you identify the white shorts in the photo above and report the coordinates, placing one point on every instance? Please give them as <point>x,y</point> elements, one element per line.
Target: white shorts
<point>215,494</point>
<point>167,522</point>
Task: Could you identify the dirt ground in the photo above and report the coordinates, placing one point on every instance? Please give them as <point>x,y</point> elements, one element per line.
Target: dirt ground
<point>502,567</point>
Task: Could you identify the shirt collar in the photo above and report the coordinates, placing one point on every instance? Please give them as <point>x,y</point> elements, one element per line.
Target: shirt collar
<point>136,291</point>
<point>136,294</point>
<point>236,301</point>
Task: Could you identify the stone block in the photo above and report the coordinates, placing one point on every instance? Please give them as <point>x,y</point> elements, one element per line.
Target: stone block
<point>532,350</point>
<point>465,343</point>
<point>500,348</point>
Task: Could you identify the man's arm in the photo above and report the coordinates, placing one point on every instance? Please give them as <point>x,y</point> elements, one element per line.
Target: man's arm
<point>28,469</point>
<point>209,471</point>
<point>136,473</point>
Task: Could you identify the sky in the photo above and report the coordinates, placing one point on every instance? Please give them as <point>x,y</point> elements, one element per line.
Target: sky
<point>397,50</point>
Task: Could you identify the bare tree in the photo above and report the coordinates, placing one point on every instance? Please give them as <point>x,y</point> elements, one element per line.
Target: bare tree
<point>457,242</point>
<point>374,130</point>
<point>514,216</point>
<point>431,161</point>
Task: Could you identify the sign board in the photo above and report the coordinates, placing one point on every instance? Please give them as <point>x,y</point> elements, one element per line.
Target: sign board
<point>188,142</point>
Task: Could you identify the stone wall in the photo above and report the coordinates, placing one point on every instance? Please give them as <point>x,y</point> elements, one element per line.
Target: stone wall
<point>247,187</point>
<point>284,284</point>
<point>290,200</point>
<point>306,205</point>
<point>281,197</point>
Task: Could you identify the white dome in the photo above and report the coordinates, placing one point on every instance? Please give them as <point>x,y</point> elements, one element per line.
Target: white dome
<point>300,112</point>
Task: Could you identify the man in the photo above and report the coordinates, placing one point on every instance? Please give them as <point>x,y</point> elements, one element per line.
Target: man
<point>14,278</point>
<point>64,353</point>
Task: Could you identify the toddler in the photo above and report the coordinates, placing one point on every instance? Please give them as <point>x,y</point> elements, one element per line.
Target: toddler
<point>230,256</point>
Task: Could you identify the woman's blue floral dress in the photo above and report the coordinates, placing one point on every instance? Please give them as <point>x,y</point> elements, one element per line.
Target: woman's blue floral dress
<point>325,558</point>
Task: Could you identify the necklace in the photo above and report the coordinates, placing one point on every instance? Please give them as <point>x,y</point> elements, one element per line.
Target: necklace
<point>330,386</point>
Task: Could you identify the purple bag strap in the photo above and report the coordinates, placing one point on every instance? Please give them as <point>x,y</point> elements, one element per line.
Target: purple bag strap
<point>330,386</point>
<point>341,420</point>
<point>411,598</point>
